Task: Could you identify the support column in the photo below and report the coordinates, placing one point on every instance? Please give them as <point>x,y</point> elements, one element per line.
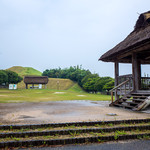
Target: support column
<point>139,75</point>
<point>116,78</point>
<point>136,72</point>
<point>26,86</point>
<point>116,72</point>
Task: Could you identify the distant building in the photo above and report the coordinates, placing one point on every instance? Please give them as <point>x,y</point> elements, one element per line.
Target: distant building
<point>35,80</point>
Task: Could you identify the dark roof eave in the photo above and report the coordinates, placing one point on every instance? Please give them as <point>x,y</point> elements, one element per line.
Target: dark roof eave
<point>106,58</point>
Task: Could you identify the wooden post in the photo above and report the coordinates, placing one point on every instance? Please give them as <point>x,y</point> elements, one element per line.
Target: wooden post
<point>112,96</point>
<point>116,78</point>
<point>139,75</point>
<point>26,86</point>
<point>136,72</point>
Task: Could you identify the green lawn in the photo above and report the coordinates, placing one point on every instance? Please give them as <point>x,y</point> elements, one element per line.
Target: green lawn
<point>41,95</point>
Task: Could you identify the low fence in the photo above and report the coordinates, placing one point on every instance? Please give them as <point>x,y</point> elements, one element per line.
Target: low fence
<point>145,83</point>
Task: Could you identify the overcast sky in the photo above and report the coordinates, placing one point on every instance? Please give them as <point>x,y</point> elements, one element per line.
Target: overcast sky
<point>46,34</point>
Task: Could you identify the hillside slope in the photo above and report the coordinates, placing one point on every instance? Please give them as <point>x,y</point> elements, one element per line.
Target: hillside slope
<point>53,83</point>
<point>23,71</point>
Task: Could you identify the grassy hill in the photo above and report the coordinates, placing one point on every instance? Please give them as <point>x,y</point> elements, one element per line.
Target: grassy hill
<point>23,71</point>
<point>53,83</point>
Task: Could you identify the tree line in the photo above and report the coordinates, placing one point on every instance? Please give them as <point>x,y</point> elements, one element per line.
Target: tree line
<point>8,77</point>
<point>88,81</point>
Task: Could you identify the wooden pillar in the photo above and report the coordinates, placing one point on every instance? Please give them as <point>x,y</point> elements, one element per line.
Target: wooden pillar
<point>116,78</point>
<point>136,72</point>
<point>116,73</point>
<point>139,75</point>
<point>26,86</point>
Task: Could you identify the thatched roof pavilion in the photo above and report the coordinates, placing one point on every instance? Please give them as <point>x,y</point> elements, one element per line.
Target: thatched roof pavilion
<point>136,41</point>
<point>134,49</point>
<point>35,80</point>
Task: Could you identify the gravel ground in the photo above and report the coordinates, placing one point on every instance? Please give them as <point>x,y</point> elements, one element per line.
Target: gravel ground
<point>64,111</point>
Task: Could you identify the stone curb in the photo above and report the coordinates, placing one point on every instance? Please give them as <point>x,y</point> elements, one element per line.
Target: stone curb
<point>33,126</point>
<point>69,141</point>
<point>68,131</point>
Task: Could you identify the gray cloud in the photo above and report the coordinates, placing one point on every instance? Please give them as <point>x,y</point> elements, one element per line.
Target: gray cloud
<point>47,34</point>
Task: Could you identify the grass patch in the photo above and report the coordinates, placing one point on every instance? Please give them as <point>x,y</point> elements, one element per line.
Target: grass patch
<point>41,95</point>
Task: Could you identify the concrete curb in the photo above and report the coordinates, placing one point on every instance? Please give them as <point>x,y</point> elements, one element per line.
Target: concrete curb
<point>33,126</point>
<point>69,141</point>
<point>68,131</point>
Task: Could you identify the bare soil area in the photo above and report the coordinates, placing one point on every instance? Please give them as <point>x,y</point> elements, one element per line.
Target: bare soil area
<point>64,111</point>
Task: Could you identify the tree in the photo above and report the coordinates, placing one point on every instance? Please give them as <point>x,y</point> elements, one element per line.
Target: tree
<point>75,73</point>
<point>89,85</point>
<point>3,77</point>
<point>13,77</point>
<point>109,85</point>
<point>88,82</point>
<point>99,85</point>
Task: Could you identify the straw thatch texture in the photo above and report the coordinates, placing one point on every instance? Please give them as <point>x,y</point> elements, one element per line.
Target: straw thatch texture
<point>35,80</point>
<point>140,37</point>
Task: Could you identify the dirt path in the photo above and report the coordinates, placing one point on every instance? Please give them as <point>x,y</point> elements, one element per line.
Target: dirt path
<point>63,111</point>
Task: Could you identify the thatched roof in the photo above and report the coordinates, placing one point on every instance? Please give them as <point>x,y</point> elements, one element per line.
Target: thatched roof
<point>35,80</point>
<point>138,40</point>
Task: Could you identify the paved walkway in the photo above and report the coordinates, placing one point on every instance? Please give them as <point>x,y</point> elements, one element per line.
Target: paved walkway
<point>63,111</point>
<point>122,145</point>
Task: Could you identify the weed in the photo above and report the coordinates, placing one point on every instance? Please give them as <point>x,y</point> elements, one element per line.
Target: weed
<point>16,139</point>
<point>99,140</point>
<point>117,133</point>
<point>146,137</point>
<point>97,125</point>
<point>110,125</point>
<point>121,132</point>
<point>116,136</point>
<point>139,137</point>
<point>11,127</point>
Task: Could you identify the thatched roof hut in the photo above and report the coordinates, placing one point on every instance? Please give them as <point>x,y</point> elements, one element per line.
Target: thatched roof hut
<point>35,80</point>
<point>134,49</point>
<point>136,41</point>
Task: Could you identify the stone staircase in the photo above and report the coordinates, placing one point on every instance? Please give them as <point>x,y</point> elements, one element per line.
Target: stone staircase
<point>132,100</point>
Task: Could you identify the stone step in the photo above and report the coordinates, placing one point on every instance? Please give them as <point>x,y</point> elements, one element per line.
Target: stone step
<point>134,99</point>
<point>136,96</point>
<point>141,94</point>
<point>124,106</point>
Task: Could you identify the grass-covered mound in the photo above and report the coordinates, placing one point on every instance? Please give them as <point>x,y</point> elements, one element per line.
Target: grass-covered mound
<point>23,71</point>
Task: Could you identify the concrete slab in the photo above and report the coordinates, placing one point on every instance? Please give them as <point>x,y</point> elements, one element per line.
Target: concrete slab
<point>64,111</point>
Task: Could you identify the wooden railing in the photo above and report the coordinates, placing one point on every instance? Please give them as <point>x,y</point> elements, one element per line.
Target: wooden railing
<point>145,83</point>
<point>123,88</point>
<point>124,78</point>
